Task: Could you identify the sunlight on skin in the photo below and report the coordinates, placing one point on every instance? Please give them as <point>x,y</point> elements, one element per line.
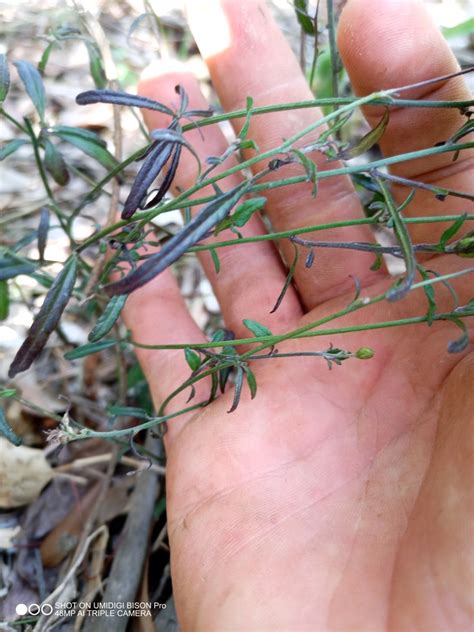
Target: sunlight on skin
<point>202,13</point>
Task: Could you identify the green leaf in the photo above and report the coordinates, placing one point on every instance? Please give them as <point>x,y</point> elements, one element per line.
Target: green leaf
<point>192,358</point>
<point>11,266</point>
<point>4,300</point>
<point>4,78</point>
<point>45,57</point>
<point>451,230</point>
<point>89,349</point>
<point>47,318</point>
<point>301,10</point>
<point>248,116</point>
<point>367,141</point>
<point>7,431</point>
<point>128,411</point>
<point>251,381</point>
<point>108,318</point>
<point>33,83</point>
<point>430,295</point>
<point>377,264</point>
<point>43,230</point>
<point>54,163</point>
<point>90,145</point>
<point>96,65</point>
<point>256,328</point>
<point>8,392</point>
<point>310,168</point>
<point>9,148</point>
<point>215,260</point>
<point>239,380</point>
<point>242,214</point>
<point>288,280</point>
<point>459,30</point>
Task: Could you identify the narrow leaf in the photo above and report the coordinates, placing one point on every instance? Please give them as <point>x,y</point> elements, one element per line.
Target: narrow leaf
<point>366,142</point>
<point>33,83</point>
<point>43,230</point>
<point>251,381</point>
<point>451,230</point>
<point>7,431</point>
<point>54,163</point>
<point>195,230</point>
<point>239,380</point>
<point>47,318</point>
<point>215,260</point>
<point>108,318</point>
<point>128,411</point>
<point>121,98</point>
<point>301,10</point>
<point>89,349</point>
<point>430,295</point>
<point>288,281</point>
<point>9,148</point>
<point>151,168</point>
<point>242,214</point>
<point>245,127</point>
<point>256,328</point>
<point>4,300</point>
<point>167,180</point>
<point>96,65</point>
<point>461,344</point>
<point>4,78</point>
<point>192,358</point>
<point>89,146</point>
<point>11,266</point>
<point>84,134</point>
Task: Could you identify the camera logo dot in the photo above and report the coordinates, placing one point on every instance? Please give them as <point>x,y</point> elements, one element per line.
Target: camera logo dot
<point>21,609</point>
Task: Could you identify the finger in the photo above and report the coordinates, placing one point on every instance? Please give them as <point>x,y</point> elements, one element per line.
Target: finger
<point>394,43</point>
<point>157,314</point>
<point>247,55</point>
<point>251,275</point>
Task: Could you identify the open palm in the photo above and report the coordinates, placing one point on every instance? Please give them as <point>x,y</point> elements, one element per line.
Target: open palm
<point>335,500</point>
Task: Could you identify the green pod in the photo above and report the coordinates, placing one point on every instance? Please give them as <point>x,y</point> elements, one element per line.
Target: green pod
<point>108,318</point>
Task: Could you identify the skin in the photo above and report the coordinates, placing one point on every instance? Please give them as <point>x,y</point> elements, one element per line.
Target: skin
<point>336,500</point>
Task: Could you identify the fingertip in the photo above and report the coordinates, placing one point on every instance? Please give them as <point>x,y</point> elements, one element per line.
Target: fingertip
<point>390,43</point>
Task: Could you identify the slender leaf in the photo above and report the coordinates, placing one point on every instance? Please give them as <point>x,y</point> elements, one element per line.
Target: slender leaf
<point>33,83</point>
<point>197,228</point>
<point>7,431</point>
<point>215,260</point>
<point>4,78</point>
<point>89,349</point>
<point>47,318</point>
<point>245,127</point>
<point>45,56</point>
<point>128,411</point>
<point>251,381</point>
<point>8,392</point>
<point>81,133</point>
<point>192,358</point>
<point>54,163</point>
<point>108,318</point>
<point>96,65</point>
<point>167,180</point>
<point>11,266</point>
<point>121,98</point>
<point>367,141</point>
<point>256,328</point>
<point>90,146</point>
<point>9,148</point>
<point>452,230</point>
<point>43,230</point>
<point>242,214</point>
<point>301,10</point>
<point>239,380</point>
<point>430,295</point>
<point>461,344</point>
<point>288,280</point>
<point>4,300</point>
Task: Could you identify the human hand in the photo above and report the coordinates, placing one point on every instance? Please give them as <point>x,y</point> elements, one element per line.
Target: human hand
<point>335,500</point>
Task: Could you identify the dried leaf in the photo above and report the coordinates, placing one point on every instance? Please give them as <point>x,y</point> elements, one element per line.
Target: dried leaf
<point>121,98</point>
<point>23,472</point>
<point>33,83</point>
<point>46,319</point>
